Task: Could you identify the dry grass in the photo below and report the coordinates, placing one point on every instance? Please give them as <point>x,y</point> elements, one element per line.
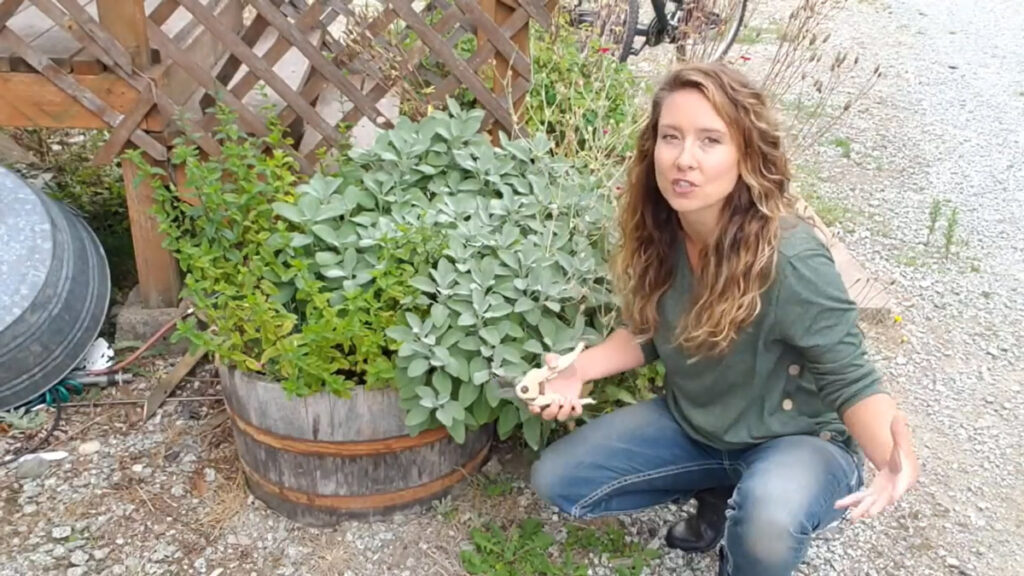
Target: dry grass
<point>222,504</point>
<point>814,82</point>
<point>334,558</point>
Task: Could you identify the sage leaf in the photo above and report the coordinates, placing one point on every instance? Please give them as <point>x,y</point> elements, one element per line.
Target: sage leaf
<point>507,421</point>
<point>287,211</point>
<point>418,366</point>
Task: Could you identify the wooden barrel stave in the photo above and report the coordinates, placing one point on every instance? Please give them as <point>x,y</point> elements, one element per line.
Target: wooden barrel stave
<point>350,475</point>
<point>321,482</point>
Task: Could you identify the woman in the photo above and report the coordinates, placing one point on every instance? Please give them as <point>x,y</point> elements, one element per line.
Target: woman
<point>771,404</point>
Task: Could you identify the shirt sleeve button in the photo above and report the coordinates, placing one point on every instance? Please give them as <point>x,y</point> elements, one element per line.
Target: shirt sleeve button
<point>826,435</point>
<point>787,404</point>
<point>794,370</point>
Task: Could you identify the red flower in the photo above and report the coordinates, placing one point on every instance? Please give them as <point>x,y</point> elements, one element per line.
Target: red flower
<point>605,50</point>
<point>745,58</point>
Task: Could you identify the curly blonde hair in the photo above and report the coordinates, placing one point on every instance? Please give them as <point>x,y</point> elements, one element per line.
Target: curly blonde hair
<point>739,263</point>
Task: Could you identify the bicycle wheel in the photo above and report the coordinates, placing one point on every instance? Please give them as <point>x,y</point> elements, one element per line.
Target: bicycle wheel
<point>608,24</point>
<point>707,29</point>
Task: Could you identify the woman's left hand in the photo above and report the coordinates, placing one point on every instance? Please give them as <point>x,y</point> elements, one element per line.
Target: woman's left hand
<point>889,485</point>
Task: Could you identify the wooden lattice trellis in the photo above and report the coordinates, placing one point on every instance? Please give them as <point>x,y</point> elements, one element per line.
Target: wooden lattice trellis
<point>148,69</point>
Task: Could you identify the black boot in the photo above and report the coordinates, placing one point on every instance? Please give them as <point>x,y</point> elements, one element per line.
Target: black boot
<point>703,530</point>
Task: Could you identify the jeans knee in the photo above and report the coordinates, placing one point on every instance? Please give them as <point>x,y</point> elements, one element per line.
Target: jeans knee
<point>765,538</point>
<point>549,479</point>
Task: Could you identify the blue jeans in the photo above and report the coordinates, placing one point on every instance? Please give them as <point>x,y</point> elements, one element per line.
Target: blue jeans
<point>638,456</point>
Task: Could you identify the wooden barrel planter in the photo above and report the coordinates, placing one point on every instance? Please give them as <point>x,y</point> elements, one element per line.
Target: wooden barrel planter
<point>321,459</point>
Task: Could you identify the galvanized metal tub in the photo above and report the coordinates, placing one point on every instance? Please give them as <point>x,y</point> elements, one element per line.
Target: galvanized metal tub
<point>54,290</point>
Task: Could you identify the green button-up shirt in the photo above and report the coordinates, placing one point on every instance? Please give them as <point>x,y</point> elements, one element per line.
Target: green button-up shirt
<point>794,370</point>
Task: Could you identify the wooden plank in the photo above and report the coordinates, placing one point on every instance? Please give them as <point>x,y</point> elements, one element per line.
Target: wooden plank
<point>265,73</point>
<point>488,30</point>
<point>26,21</point>
<point>125,20</point>
<point>202,46</point>
<point>30,100</point>
<point>8,8</point>
<point>250,120</point>
<point>317,509</point>
<point>504,78</point>
<point>193,129</point>
<point>373,447</point>
<point>167,383</point>
<point>227,71</point>
<point>443,52</point>
<point>273,55</point>
<point>159,277</point>
<point>162,11</point>
<point>321,64</point>
<point>79,93</point>
<point>539,12</point>
<point>120,136</point>
<point>86,65</point>
<point>366,415</point>
<point>29,24</point>
<point>81,26</point>
<point>484,53</point>
<point>58,42</point>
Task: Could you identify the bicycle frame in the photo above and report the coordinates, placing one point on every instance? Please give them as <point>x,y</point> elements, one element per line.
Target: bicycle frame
<point>660,15</point>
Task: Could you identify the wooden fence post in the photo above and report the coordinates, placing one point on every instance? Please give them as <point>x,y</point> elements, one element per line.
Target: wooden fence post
<point>500,11</point>
<point>159,277</point>
<point>125,20</point>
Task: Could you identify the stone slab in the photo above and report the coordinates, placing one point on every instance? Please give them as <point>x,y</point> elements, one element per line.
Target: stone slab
<point>135,324</point>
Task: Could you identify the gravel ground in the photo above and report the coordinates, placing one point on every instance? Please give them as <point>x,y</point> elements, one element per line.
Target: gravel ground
<point>164,496</point>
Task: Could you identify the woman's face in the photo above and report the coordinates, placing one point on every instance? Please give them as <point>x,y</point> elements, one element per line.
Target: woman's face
<point>696,162</point>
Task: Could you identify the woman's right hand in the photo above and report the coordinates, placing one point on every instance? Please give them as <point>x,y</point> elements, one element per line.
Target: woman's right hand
<point>568,384</point>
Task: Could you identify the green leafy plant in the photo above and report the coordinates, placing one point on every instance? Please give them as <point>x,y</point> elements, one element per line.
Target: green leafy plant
<point>263,306</point>
<point>433,261</point>
<point>365,259</point>
<point>522,551</point>
<point>585,101</point>
<point>934,212</point>
<point>23,419</point>
<point>522,271</point>
<point>628,558</point>
<point>527,549</point>
<point>949,239</point>
<point>94,191</point>
<point>504,255</point>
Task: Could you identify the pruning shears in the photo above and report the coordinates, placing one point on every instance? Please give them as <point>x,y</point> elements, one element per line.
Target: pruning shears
<point>531,388</point>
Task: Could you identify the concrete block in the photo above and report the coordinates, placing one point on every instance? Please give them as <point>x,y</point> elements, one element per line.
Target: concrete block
<point>137,324</point>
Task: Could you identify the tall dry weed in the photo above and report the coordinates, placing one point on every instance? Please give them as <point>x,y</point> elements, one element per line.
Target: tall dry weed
<point>814,82</point>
